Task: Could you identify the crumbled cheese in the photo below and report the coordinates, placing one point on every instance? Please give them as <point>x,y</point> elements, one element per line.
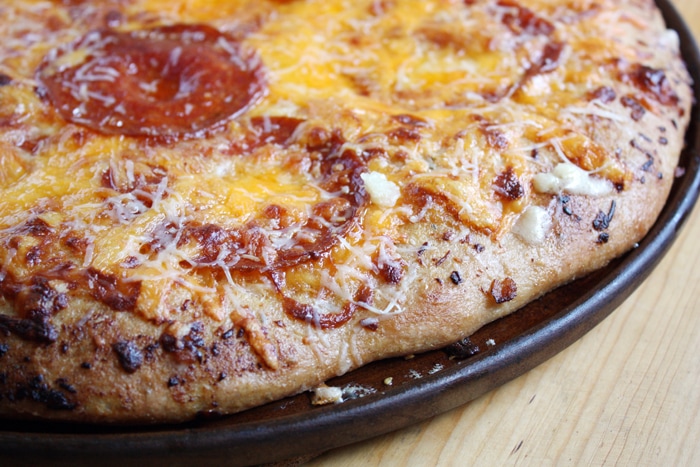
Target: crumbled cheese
<point>669,40</point>
<point>567,177</point>
<point>532,225</point>
<point>356,391</point>
<point>381,191</point>
<point>324,395</point>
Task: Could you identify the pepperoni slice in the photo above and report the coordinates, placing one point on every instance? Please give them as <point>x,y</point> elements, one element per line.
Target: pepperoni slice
<point>167,81</point>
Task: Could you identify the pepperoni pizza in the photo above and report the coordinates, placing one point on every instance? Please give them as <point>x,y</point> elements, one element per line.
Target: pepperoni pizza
<point>209,205</point>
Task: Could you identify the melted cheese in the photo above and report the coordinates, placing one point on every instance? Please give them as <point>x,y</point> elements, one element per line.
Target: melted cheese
<point>533,225</point>
<point>383,192</point>
<point>568,178</point>
<point>434,106</point>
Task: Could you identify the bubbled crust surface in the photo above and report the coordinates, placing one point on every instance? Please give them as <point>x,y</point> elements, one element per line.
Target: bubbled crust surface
<point>84,343</point>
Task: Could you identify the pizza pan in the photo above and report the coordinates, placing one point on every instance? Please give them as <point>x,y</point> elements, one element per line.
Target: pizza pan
<point>421,387</point>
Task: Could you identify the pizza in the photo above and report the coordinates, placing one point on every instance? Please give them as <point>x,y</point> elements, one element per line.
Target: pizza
<point>207,205</point>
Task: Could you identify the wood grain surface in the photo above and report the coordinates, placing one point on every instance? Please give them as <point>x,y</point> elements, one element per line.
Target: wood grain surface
<point>628,393</point>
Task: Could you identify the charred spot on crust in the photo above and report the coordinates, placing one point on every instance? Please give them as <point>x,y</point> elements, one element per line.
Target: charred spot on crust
<point>635,107</point>
<point>566,206</point>
<point>187,349</point>
<point>503,290</point>
<point>36,389</point>
<point>170,343</point>
<point>129,355</point>
<point>507,185</point>
<point>66,386</point>
<point>602,219</point>
<point>36,328</point>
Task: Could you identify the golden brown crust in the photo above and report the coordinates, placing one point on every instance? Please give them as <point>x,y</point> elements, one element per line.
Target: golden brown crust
<point>344,207</point>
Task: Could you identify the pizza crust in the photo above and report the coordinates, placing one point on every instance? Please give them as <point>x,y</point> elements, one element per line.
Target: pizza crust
<point>408,248</point>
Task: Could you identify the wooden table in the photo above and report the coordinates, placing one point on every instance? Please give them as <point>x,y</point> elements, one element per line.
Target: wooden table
<point>628,393</point>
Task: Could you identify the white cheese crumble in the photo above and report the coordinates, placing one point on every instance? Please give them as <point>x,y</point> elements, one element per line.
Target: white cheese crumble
<point>567,177</point>
<point>357,391</point>
<point>381,191</point>
<point>669,40</point>
<point>324,395</point>
<point>532,225</point>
